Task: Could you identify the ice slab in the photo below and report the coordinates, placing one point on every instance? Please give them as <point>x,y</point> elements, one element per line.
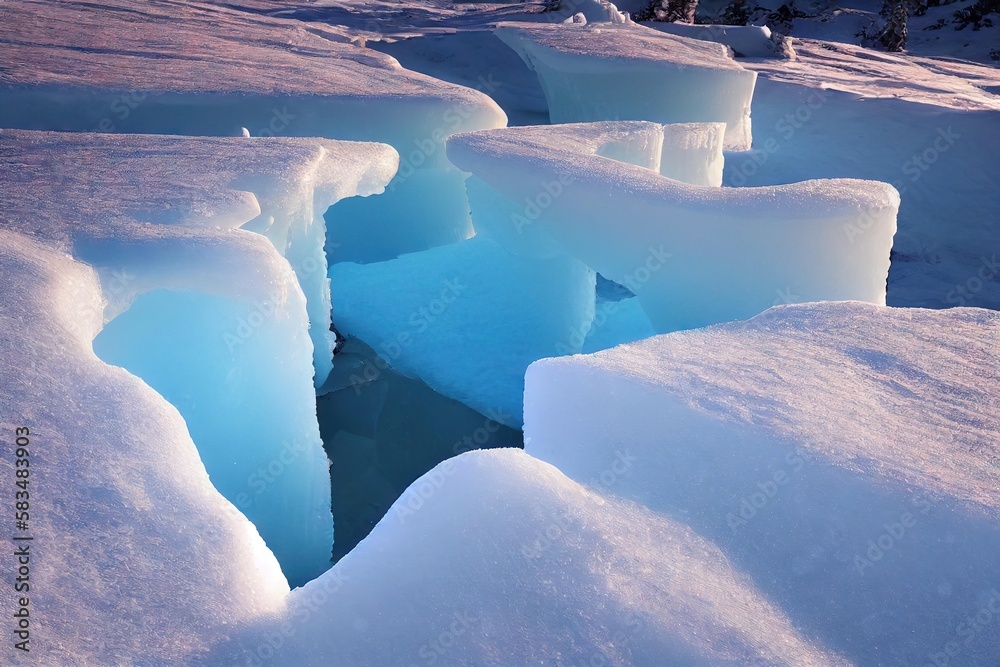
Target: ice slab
<point>693,255</point>
<point>843,455</point>
<point>206,69</point>
<point>494,558</point>
<point>751,41</point>
<point>278,187</point>
<point>199,307</point>
<point>132,544</point>
<point>467,318</point>
<point>608,71</point>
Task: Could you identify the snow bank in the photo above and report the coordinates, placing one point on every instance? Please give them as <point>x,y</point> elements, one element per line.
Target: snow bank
<point>693,255</point>
<point>467,318</point>
<point>207,69</point>
<point>134,554</point>
<point>198,307</point>
<point>628,72</point>
<point>751,41</point>
<point>842,455</point>
<point>494,558</point>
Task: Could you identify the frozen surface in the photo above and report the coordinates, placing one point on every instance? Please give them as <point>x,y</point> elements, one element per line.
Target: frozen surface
<point>692,153</point>
<point>196,68</point>
<point>132,543</point>
<point>693,255</point>
<point>467,318</point>
<point>610,71</point>
<point>843,455</point>
<point>928,126</point>
<point>210,315</point>
<point>555,574</point>
<point>750,41</point>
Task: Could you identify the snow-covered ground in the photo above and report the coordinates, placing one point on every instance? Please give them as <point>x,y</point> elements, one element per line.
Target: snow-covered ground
<point>199,199</point>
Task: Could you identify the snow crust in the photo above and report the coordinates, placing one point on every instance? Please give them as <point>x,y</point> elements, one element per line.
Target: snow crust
<point>127,525</point>
<point>610,71</point>
<point>751,41</point>
<point>842,455</point>
<point>209,314</point>
<point>693,255</point>
<point>557,573</point>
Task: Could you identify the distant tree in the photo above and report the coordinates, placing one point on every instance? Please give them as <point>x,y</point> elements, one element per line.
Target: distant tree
<point>668,11</point>
<point>736,12</point>
<point>893,34</point>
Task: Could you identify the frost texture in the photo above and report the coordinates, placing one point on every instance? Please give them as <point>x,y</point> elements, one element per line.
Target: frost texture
<point>827,449</point>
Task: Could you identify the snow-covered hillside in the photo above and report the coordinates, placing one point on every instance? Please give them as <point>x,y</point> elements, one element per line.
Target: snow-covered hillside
<point>265,264</point>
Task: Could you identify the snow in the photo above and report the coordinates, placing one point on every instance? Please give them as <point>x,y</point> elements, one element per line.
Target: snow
<point>745,40</point>
<point>467,318</point>
<point>609,71</point>
<point>200,308</point>
<point>834,452</point>
<point>926,126</point>
<point>205,69</point>
<point>134,552</point>
<point>556,574</point>
<point>693,255</point>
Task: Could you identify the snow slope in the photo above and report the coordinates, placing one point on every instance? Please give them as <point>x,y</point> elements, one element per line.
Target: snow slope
<point>555,574</point>
<point>842,455</point>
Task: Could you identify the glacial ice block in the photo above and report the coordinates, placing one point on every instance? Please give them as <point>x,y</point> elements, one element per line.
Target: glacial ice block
<point>209,314</point>
<point>751,41</point>
<point>693,255</point>
<point>495,558</point>
<point>467,318</point>
<point>208,69</point>
<point>611,71</point>
<point>842,455</point>
<point>136,558</point>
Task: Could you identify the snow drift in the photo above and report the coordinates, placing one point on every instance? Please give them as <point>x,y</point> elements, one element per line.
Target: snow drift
<point>842,455</point>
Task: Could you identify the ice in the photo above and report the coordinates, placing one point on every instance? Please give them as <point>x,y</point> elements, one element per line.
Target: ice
<point>842,455</point>
<point>693,255</point>
<point>134,555</point>
<point>494,558</point>
<point>692,153</point>
<point>208,314</point>
<point>208,69</point>
<point>609,71</point>
<point>751,41</point>
<point>467,318</point>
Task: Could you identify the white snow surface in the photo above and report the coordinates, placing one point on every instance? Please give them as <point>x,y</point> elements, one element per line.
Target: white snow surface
<point>693,255</point>
<point>136,558</point>
<point>608,71</point>
<point>556,574</point>
<point>843,455</point>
